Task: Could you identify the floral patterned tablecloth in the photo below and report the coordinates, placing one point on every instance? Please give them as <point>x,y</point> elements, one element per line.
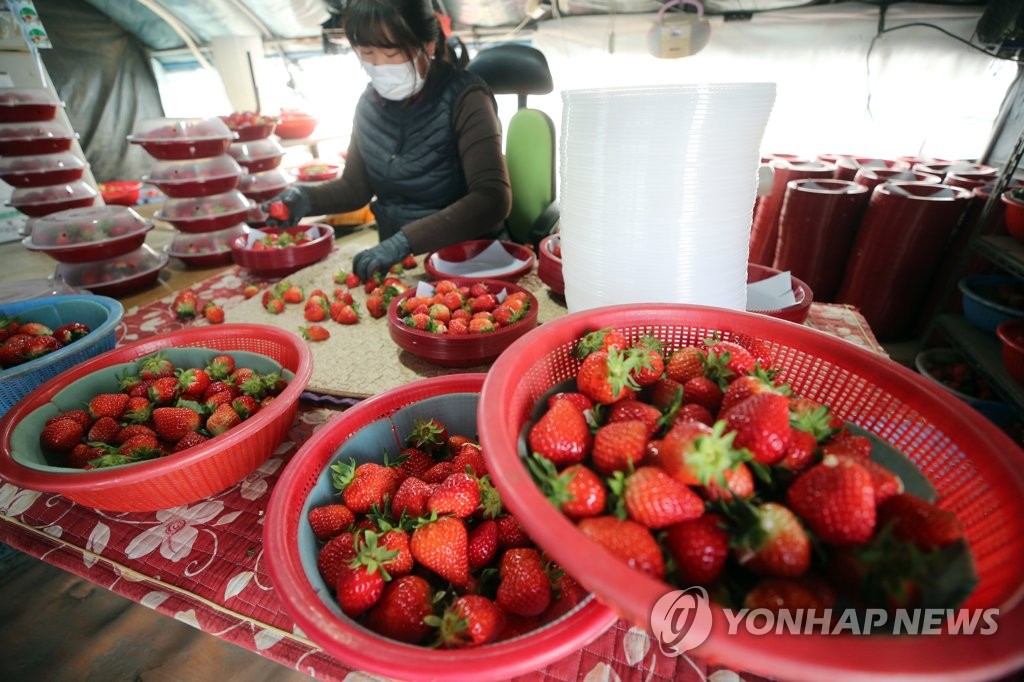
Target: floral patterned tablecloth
<point>204,564</point>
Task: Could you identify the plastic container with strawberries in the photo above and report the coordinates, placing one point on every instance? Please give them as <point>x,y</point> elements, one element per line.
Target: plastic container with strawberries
<point>18,105</point>
<point>175,139</point>
<point>195,177</point>
<point>117,276</point>
<point>258,155</point>
<point>42,137</point>
<point>88,234</point>
<point>264,185</point>
<point>41,170</point>
<point>41,201</point>
<point>206,249</point>
<point>205,213</point>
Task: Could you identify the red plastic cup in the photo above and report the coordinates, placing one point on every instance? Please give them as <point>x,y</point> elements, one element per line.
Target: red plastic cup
<point>764,232</point>
<point>817,227</point>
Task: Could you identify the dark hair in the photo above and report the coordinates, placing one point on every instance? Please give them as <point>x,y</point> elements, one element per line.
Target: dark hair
<point>405,25</point>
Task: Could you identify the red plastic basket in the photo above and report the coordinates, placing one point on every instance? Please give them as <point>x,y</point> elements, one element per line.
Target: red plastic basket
<point>464,350</point>
<point>466,250</point>
<point>802,293</point>
<point>290,550</point>
<point>549,266</point>
<point>192,474</point>
<point>976,469</point>
<point>284,261</point>
<point>1011,335</point>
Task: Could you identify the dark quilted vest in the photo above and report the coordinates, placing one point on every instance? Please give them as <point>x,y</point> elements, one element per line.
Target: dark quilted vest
<point>411,152</point>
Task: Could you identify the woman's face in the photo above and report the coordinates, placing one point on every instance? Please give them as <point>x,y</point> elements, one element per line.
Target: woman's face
<point>381,55</point>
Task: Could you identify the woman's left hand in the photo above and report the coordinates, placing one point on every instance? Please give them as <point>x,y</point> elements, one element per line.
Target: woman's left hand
<point>380,258</point>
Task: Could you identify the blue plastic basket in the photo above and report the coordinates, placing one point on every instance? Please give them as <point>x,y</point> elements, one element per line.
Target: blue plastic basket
<point>981,312</point>
<point>99,313</point>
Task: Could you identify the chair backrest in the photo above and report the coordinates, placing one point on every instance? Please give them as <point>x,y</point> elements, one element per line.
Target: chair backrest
<point>521,70</point>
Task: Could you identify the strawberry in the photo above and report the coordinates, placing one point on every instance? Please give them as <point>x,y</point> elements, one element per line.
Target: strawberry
<point>414,462</point>
<point>801,451</point>
<point>139,410</point>
<point>578,399</point>
<point>511,533</point>
<point>223,418</point>
<point>836,499</point>
<point>525,589</point>
<point>760,349</point>
<point>427,434</point>
<point>848,444</point>
<point>189,440</point>
<point>454,444</point>
<point>213,313</point>
<point>919,522</point>
<point>727,360</point>
<point>314,332</point>
<point>704,392</point>
<point>38,346</point>
<point>441,546</point>
<point>693,453</point>
<point>335,556</point>
<point>70,332</point>
<point>436,474</point>
<point>458,495</point>
<point>685,364</point>
<point>747,385</point>
<point>762,426</point>
<point>165,390</point>
<point>364,485</point>
<point>80,416</point>
<point>156,366</point>
<point>700,548</point>
<point>185,305</point>
<point>396,540</point>
<point>250,290</point>
<point>376,306</point>
<point>193,382</point>
<point>736,482</point>
<point>133,430</point>
<point>293,294</point>
<point>409,262</point>
<point>470,621</point>
<point>278,210</point>
<point>788,594</point>
<point>245,405</point>
<point>626,540</point>
<point>173,423</point>
<point>886,482</point>
<point>35,329</point>
<point>692,412</point>
<point>479,325</point>
<point>813,417</point>
<point>403,607</point>
<point>315,312</point>
<point>81,455</point>
<point>628,410</point>
<point>577,490</point>
<point>770,540</point>
<point>109,405</point>
<point>651,363</point>
<point>606,376</point>
<point>411,498</point>
<point>602,339</point>
<point>361,583</point>
<point>561,435</point>
<point>104,430</point>
<point>343,313</point>
<point>654,499</point>
<point>61,435</point>
<point>275,306</point>
<point>618,445</point>
<point>471,459</point>
<point>482,545</point>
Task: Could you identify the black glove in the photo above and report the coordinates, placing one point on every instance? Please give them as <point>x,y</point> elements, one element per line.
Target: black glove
<point>295,208</point>
<point>380,258</point>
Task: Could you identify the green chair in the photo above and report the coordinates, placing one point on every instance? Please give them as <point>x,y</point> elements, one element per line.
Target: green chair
<point>521,70</point>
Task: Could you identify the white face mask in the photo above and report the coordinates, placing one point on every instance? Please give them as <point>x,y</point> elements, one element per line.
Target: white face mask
<point>394,81</point>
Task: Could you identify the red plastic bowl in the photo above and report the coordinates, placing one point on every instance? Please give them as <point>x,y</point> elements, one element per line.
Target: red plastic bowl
<point>1011,335</point>
<point>284,261</point>
<point>117,276</point>
<point>975,468</point>
<point>121,192</point>
<point>466,250</point>
<point>463,350</point>
<point>295,126</point>
<point>291,551</point>
<point>188,476</point>
<point>88,252</point>
<point>317,172</point>
<point>549,266</point>
<point>802,293</point>
<point>1014,214</point>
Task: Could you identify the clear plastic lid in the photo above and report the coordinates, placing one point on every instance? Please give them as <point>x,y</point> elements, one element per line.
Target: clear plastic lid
<point>52,194</point>
<point>12,97</point>
<point>112,270</point>
<point>180,130</point>
<point>256,150</point>
<point>90,225</point>
<point>36,163</point>
<point>186,244</point>
<point>192,170</point>
<point>37,130</point>
<point>203,207</point>
<point>273,179</point>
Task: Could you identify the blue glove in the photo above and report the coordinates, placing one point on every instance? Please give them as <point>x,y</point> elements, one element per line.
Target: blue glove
<point>296,207</point>
<point>380,258</point>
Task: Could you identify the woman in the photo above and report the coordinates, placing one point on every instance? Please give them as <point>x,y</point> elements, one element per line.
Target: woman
<point>426,142</point>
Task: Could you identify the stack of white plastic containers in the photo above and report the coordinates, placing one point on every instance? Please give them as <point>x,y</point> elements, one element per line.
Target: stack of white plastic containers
<point>200,180</point>
<point>657,189</point>
<point>260,155</point>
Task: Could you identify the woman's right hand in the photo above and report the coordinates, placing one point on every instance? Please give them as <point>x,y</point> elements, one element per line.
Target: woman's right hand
<point>287,208</point>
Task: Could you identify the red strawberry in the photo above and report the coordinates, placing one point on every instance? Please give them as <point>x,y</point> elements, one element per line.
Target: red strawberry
<point>815,418</point>
<point>314,332</point>
<point>275,306</point>
<point>886,482</point>
<point>359,589</point>
<point>761,350</point>
<point>335,556</point>
<point>278,210</point>
<point>223,418</point>
<point>773,542</point>
<point>109,405</point>
<point>213,313</point>
<point>602,339</point>
<point>651,364</point>
<point>165,390</point>
<point>293,294</point>
<point>139,410</point>
<point>413,462</point>
<point>836,499</point>
<point>156,367</point>
<point>61,435</point>
<point>315,312</point>
<point>35,329</point>
<point>403,607</point>
<point>578,399</point>
<point>104,430</point>
<point>70,332</point>
<point>788,594</point>
<point>619,445</point>
<point>409,262</point>
<point>133,430</point>
<point>376,306</point>
<point>470,457</point>
<point>745,386</point>
<point>458,495</point>
<point>848,444</point>
<point>411,498</point>
<point>738,482</point>
<point>700,548</point>
<point>525,589</point>
<point>470,621</point>
<point>397,540</point>
<point>185,305</point>
<point>561,435</point>
<point>762,425</point>
<point>245,405</point>
<point>626,540</point>
<point>428,434</point>
<point>727,360</point>
<point>654,499</point>
<point>364,485</point>
<point>627,410</point>
<point>703,391</point>
<point>801,451</point>
<point>193,383</point>
<point>343,313</point>
<point>685,364</point>
<point>80,416</point>
<point>189,440</point>
<point>39,346</point>
<point>692,412</point>
<point>441,546</point>
<point>577,490</point>
<point>250,290</point>
<point>482,544</point>
<point>511,533</point>
<point>436,474</point>
<point>606,376</point>
<point>82,454</point>
<point>919,522</point>
<point>174,423</point>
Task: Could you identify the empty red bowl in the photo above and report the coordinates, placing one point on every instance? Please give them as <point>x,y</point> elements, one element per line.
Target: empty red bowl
<point>435,262</point>
<point>295,126</point>
<point>278,262</point>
